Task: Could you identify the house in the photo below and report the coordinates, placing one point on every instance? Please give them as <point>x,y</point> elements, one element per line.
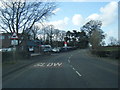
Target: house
<point>5,42</point>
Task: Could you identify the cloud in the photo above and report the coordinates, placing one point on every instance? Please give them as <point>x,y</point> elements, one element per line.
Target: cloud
<point>108,14</point>
<point>1,5</point>
<point>77,19</point>
<point>56,10</point>
<point>60,24</point>
<point>93,17</point>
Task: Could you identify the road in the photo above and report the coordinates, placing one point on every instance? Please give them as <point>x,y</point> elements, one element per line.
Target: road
<point>74,69</point>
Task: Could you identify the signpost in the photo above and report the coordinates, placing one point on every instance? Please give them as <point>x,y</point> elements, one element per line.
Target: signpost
<point>14,42</point>
<point>14,39</point>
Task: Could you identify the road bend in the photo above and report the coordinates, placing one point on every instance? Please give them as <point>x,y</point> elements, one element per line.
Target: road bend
<point>74,69</point>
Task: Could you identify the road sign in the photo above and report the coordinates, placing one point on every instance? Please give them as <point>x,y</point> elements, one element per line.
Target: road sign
<point>14,42</point>
<point>14,36</point>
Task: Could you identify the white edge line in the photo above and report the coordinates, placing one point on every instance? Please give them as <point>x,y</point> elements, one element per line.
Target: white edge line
<point>78,73</point>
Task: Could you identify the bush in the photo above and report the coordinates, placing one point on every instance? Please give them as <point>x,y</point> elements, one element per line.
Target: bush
<point>100,53</point>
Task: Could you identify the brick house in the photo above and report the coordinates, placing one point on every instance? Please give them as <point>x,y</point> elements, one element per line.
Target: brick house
<point>5,42</point>
<point>6,39</point>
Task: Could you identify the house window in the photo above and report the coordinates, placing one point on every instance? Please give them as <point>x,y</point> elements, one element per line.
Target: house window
<point>2,37</point>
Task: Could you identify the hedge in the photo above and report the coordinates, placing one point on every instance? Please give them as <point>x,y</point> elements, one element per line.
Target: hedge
<point>7,56</point>
<point>111,54</point>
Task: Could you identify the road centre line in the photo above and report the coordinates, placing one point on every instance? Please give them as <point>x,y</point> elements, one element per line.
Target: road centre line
<point>69,61</point>
<point>73,68</point>
<point>78,73</point>
<point>70,56</point>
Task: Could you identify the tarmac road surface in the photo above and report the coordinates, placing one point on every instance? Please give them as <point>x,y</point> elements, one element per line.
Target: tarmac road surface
<point>74,69</point>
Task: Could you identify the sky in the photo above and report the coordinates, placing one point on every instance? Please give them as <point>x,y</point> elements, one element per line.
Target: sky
<point>73,15</point>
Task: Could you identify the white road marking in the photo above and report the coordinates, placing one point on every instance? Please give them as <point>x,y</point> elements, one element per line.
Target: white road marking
<point>69,61</point>
<point>73,68</point>
<point>78,73</point>
<point>57,64</point>
<point>49,64</point>
<point>40,64</point>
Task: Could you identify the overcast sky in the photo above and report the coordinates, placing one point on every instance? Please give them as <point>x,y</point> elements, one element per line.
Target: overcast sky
<point>73,15</point>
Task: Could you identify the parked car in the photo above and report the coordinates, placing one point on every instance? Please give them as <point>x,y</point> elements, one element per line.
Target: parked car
<point>68,48</point>
<point>46,48</point>
<point>6,49</point>
<point>56,49</point>
<point>31,49</point>
<point>63,49</point>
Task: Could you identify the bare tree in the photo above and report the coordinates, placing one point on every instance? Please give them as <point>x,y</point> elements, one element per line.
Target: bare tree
<point>20,16</point>
<point>50,33</point>
<point>34,32</point>
<point>113,41</point>
<point>62,35</point>
<point>56,34</point>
